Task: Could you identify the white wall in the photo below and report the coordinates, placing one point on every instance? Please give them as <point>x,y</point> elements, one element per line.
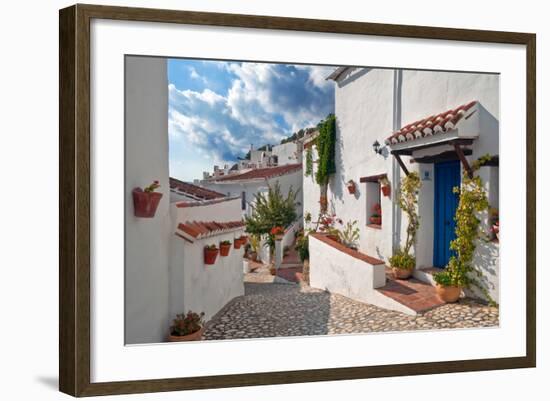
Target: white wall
<point>287,153</point>
<point>147,239</point>
<point>204,288</point>
<point>333,270</point>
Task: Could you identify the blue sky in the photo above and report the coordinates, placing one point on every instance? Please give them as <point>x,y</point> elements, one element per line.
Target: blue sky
<point>217,109</point>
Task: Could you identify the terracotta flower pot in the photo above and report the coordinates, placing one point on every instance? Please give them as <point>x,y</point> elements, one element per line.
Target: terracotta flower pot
<point>376,220</point>
<point>210,256</point>
<point>224,249</point>
<point>448,294</point>
<point>401,274</point>
<point>145,203</point>
<point>333,237</point>
<point>273,270</point>
<point>196,336</point>
<point>351,188</point>
<point>237,243</point>
<point>386,190</point>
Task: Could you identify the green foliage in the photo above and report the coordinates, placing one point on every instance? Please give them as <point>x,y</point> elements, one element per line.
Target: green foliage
<point>271,210</point>
<point>460,271</point>
<point>211,247</point>
<point>309,162</point>
<point>408,202</point>
<point>349,235</point>
<point>185,324</point>
<point>402,260</point>
<point>255,242</point>
<point>302,244</point>
<point>225,242</point>
<point>326,142</point>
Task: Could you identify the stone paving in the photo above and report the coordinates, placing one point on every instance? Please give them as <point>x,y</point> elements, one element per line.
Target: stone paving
<point>274,307</point>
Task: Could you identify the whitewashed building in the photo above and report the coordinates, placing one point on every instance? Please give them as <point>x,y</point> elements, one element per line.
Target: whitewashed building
<point>165,272</point>
<point>392,121</point>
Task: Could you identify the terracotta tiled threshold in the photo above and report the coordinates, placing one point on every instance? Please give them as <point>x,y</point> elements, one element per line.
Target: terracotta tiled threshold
<point>293,274</point>
<point>412,293</point>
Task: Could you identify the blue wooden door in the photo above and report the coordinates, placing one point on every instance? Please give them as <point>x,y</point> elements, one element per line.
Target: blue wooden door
<point>447,176</point>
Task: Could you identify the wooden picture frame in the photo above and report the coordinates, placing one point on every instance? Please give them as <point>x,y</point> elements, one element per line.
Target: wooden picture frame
<point>74,199</point>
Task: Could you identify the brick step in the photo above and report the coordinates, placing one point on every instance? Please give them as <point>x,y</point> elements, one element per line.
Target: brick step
<point>416,295</point>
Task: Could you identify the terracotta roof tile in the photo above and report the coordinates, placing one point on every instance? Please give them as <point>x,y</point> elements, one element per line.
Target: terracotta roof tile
<point>434,124</point>
<point>196,229</point>
<point>194,191</point>
<point>259,173</point>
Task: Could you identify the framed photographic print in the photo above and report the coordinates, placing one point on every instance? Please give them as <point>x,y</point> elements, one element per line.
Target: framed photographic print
<point>250,200</point>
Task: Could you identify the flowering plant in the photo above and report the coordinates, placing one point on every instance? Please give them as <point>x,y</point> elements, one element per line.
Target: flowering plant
<point>278,230</point>
<point>152,187</point>
<point>187,324</point>
<point>376,210</point>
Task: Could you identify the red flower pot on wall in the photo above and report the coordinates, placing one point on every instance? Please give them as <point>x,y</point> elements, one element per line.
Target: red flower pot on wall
<point>351,187</point>
<point>145,203</point>
<point>224,249</point>
<point>237,243</point>
<point>376,220</point>
<point>386,190</point>
<point>210,255</point>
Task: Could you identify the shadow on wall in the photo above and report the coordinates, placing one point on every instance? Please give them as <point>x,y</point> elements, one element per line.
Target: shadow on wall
<point>309,312</point>
<point>486,260</point>
<point>352,77</point>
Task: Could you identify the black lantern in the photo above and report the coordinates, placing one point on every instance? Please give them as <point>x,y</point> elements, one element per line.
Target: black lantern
<point>376,147</point>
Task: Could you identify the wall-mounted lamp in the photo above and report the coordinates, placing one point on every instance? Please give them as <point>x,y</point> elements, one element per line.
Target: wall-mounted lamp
<point>377,148</point>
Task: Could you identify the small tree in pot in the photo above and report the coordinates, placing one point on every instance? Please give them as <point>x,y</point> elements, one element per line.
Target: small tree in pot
<point>402,262</point>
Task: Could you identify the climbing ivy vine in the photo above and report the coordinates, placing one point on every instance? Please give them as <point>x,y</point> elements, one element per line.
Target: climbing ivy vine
<point>309,162</point>
<point>326,142</point>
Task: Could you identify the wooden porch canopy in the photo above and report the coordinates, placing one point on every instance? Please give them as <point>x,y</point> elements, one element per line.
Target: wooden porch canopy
<point>435,131</point>
<point>459,153</point>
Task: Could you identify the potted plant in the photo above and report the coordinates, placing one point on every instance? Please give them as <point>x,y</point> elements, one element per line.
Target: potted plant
<point>351,187</point>
<point>402,265</point>
<point>448,285</point>
<point>278,232</point>
<point>187,327</point>
<point>385,186</point>
<point>237,242</point>
<point>349,235</point>
<point>210,254</point>
<point>376,216</point>
<point>146,200</point>
<point>225,246</point>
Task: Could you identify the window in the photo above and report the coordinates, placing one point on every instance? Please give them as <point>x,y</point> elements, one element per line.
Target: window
<point>373,200</point>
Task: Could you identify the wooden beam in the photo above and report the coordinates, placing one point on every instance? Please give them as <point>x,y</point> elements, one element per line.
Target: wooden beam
<point>373,178</point>
<point>463,159</point>
<point>444,156</point>
<point>398,158</point>
<point>409,151</point>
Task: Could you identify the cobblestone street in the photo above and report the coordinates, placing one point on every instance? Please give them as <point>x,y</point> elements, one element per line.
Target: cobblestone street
<point>272,307</point>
